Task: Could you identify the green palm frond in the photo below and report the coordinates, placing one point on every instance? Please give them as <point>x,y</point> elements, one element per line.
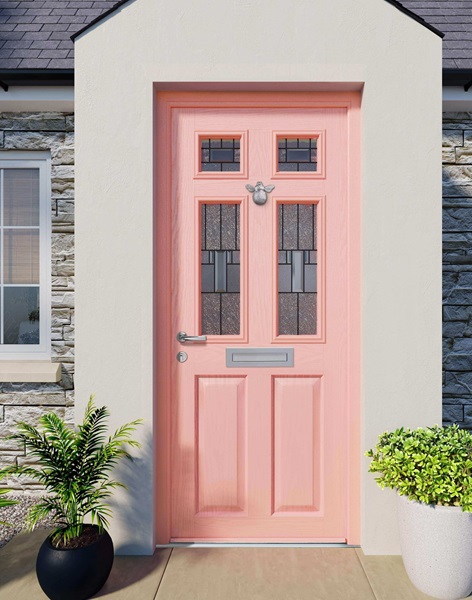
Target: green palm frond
<point>74,466</point>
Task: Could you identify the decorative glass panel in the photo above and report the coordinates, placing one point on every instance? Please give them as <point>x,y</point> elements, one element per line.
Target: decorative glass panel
<point>220,154</point>
<point>220,269</point>
<point>297,258</point>
<point>297,154</point>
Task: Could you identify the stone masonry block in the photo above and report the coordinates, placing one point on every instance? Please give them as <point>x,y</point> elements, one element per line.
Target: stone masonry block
<point>451,188</point>
<point>64,188</point>
<point>33,121</point>
<point>57,398</point>
<point>464,155</point>
<point>448,156</point>
<point>57,333</point>
<point>462,345</point>
<point>459,296</point>
<point>453,413</point>
<point>34,140</point>
<point>68,333</point>
<point>63,283</point>
<point>457,384</point>
<point>452,138</point>
<point>450,281</point>
<point>62,351</point>
<point>457,313</point>
<point>457,173</point>
<point>62,246</point>
<point>60,316</point>
<point>62,299</point>
<point>457,220</point>
<point>453,329</point>
<point>63,267</point>
<point>28,414</point>
<point>458,362</point>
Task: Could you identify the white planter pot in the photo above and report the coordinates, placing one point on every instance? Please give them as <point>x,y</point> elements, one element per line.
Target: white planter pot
<point>436,543</point>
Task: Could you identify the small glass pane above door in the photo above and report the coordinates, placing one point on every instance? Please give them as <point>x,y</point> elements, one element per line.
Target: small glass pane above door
<point>297,154</point>
<point>220,269</point>
<point>220,154</point>
<point>297,269</point>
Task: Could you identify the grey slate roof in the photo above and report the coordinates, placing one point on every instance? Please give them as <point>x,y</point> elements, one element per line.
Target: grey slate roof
<point>36,34</point>
<point>454,18</point>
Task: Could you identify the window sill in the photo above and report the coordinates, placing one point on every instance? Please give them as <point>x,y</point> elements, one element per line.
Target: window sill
<point>29,371</point>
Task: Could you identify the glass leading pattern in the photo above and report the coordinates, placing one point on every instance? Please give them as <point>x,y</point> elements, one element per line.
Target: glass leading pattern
<point>220,154</point>
<point>297,154</point>
<point>220,269</point>
<point>297,269</point>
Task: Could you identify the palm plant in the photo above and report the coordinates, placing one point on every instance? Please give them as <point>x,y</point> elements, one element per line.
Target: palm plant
<point>74,466</point>
<point>4,502</point>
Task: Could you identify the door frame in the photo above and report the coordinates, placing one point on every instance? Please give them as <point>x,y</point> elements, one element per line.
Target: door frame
<point>164,102</point>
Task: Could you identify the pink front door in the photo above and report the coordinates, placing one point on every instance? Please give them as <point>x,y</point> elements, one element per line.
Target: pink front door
<point>259,411</point>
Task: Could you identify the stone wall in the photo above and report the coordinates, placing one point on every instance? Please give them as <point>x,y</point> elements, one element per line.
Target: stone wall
<point>26,402</point>
<point>457,268</point>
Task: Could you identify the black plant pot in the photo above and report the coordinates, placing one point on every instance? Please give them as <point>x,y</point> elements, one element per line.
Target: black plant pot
<point>74,574</point>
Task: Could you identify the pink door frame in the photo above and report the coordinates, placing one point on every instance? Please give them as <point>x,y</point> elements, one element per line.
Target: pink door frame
<point>164,102</point>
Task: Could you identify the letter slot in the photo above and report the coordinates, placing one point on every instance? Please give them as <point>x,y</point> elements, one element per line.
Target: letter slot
<point>259,357</point>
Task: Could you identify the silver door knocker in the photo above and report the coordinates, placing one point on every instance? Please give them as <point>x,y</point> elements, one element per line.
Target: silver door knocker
<point>259,192</point>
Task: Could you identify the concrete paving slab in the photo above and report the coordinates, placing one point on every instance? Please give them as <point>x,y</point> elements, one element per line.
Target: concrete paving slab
<point>264,574</point>
<point>135,577</point>
<point>18,567</point>
<point>388,578</point>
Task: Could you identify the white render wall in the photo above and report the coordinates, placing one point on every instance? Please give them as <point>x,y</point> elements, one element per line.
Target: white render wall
<point>367,41</point>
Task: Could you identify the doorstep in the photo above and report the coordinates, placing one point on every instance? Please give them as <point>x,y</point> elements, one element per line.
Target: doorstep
<point>229,573</point>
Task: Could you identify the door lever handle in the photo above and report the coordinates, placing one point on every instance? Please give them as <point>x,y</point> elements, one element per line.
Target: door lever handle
<point>182,337</point>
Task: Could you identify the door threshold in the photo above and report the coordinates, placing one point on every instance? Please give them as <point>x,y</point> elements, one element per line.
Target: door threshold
<point>256,545</point>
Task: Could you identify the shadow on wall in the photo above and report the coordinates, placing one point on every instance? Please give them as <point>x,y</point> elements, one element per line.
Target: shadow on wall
<point>133,508</point>
<point>457,270</point>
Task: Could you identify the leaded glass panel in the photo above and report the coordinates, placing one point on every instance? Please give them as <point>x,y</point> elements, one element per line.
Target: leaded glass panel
<point>220,154</point>
<point>220,269</point>
<point>297,154</point>
<point>297,269</point>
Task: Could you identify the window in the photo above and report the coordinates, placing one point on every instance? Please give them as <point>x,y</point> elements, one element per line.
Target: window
<point>25,249</point>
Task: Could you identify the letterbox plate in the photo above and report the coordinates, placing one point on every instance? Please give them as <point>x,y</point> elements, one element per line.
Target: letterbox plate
<point>259,357</point>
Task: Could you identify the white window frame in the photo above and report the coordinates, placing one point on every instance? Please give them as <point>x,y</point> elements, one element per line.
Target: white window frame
<point>41,161</point>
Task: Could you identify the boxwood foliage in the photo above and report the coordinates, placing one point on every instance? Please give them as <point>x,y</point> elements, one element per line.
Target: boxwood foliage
<point>431,465</point>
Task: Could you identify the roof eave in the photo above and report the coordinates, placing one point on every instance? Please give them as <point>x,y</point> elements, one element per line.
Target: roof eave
<point>457,77</point>
<point>32,77</point>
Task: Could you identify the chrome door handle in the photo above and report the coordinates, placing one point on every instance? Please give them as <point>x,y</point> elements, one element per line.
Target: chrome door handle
<point>182,337</point>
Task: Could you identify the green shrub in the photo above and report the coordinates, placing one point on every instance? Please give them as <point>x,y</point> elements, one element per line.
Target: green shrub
<point>432,465</point>
<point>75,467</point>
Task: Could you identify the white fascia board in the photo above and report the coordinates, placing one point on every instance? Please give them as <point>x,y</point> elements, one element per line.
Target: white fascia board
<point>455,99</point>
<point>45,98</point>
